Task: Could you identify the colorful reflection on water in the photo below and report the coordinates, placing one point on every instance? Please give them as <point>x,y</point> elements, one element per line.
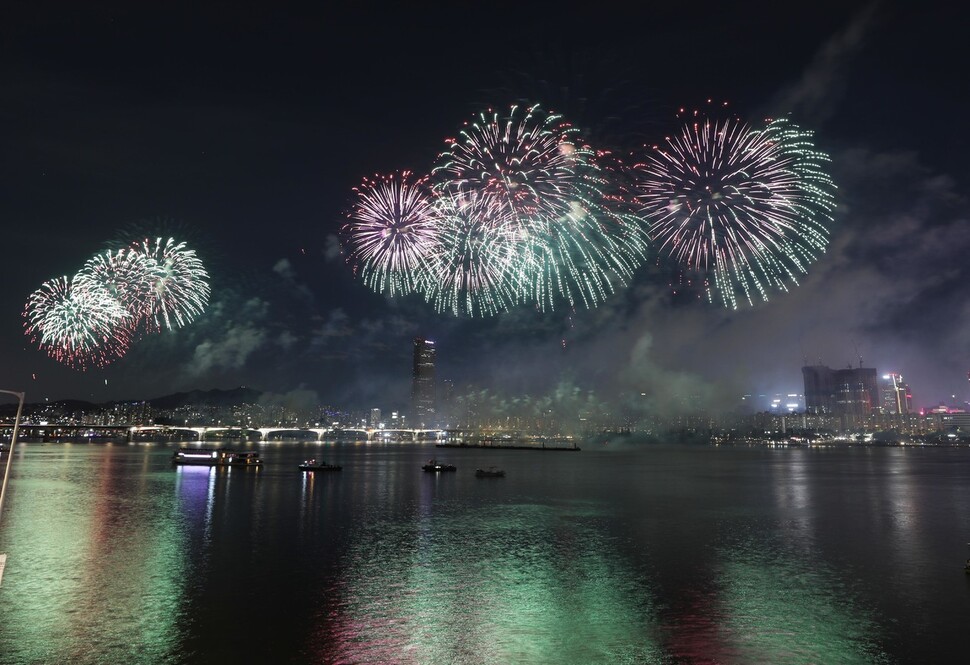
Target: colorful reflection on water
<point>776,609</point>
<point>659,555</point>
<point>97,559</point>
<point>503,584</point>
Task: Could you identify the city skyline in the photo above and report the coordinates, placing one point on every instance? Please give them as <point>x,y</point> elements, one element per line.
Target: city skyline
<point>163,122</point>
<point>853,393</point>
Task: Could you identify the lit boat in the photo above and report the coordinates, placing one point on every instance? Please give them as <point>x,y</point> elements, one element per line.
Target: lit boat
<point>490,472</point>
<point>216,457</point>
<point>313,465</point>
<point>435,466</point>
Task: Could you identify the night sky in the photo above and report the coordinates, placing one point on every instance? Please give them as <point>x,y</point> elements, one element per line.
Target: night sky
<point>241,128</point>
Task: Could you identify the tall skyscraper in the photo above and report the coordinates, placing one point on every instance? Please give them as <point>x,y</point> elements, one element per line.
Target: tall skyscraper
<point>445,410</point>
<point>422,384</point>
<point>896,397</point>
<point>850,392</point>
<point>818,389</point>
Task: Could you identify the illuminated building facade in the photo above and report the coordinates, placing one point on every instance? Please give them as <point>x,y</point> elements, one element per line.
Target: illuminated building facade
<point>852,392</point>
<point>423,383</point>
<point>896,396</point>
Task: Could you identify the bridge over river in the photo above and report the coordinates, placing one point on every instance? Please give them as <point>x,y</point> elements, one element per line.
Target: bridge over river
<point>216,433</point>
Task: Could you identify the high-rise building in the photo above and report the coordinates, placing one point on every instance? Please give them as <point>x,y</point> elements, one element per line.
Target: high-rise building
<point>818,389</point>
<point>375,418</point>
<point>445,410</point>
<point>852,392</point>
<point>896,397</point>
<point>422,384</point>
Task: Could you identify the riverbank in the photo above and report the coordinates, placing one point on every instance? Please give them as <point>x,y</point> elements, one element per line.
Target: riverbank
<point>510,446</point>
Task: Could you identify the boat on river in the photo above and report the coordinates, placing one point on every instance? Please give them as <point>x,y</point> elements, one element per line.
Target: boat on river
<point>435,466</point>
<point>490,472</point>
<point>313,465</point>
<point>216,457</point>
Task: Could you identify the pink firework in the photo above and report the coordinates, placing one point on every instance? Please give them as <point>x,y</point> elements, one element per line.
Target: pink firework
<point>744,208</point>
<point>392,225</point>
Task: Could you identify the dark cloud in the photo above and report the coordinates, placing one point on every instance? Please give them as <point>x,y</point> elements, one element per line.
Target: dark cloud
<point>284,268</point>
<point>331,250</point>
<point>819,92</point>
<point>231,351</point>
<point>299,401</point>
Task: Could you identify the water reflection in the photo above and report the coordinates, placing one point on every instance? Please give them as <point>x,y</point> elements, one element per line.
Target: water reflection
<point>793,498</point>
<point>674,555</point>
<point>780,607</point>
<point>511,583</point>
<point>692,631</point>
<point>79,553</point>
<point>195,486</point>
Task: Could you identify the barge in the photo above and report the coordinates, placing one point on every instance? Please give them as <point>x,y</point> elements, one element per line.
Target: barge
<point>216,457</point>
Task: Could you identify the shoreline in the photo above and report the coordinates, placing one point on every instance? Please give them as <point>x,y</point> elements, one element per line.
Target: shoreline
<point>506,447</point>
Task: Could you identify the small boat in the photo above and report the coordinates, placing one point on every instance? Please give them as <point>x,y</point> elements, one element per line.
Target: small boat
<point>216,457</point>
<point>313,465</point>
<point>490,472</point>
<point>434,466</point>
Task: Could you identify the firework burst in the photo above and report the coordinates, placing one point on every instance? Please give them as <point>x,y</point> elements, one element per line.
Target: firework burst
<point>92,318</point>
<point>533,168</point>
<point>474,262</point>
<point>77,322</point>
<point>178,284</point>
<point>392,226</point>
<point>524,161</point>
<point>126,275</point>
<point>599,243</point>
<point>745,208</point>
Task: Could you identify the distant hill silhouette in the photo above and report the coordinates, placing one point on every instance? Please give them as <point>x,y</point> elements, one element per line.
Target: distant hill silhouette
<point>213,397</point>
<point>75,405</point>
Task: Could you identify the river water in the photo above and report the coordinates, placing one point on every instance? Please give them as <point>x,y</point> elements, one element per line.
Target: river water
<point>651,554</point>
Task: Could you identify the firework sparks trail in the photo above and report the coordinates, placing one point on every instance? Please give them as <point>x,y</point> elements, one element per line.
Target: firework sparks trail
<point>532,166</point>
<point>77,322</point>
<point>392,226</point>
<point>525,161</point>
<point>471,267</point>
<point>179,283</point>
<point>92,318</point>
<point>746,208</point>
<point>126,275</point>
